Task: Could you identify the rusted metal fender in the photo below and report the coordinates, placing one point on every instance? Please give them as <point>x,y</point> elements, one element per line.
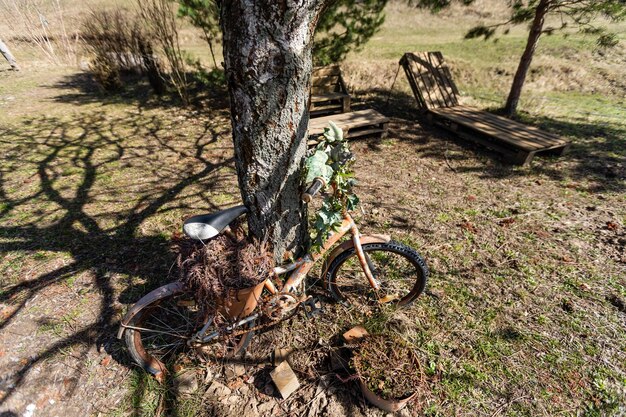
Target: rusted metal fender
<point>152,296</point>
<point>350,244</point>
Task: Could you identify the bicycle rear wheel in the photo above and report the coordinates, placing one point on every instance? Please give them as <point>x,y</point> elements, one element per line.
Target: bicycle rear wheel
<point>157,335</point>
<point>399,269</point>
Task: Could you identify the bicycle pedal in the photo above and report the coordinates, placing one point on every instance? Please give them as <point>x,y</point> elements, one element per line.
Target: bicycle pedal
<point>313,307</point>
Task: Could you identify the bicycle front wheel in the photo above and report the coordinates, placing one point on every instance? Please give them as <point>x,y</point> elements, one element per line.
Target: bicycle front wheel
<point>157,335</point>
<point>400,271</point>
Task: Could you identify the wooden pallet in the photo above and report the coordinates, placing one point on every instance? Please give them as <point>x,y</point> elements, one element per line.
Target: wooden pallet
<point>354,124</point>
<point>437,96</point>
<point>329,93</point>
<point>430,80</point>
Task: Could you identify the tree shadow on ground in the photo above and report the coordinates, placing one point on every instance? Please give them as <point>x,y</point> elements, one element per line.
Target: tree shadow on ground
<point>81,88</point>
<point>597,155</point>
<point>86,188</point>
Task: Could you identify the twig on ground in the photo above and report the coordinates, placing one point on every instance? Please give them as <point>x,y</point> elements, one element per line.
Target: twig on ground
<point>445,154</point>
<point>506,404</point>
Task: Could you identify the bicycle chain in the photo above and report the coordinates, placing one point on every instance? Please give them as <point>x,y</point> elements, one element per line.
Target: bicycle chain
<point>262,307</point>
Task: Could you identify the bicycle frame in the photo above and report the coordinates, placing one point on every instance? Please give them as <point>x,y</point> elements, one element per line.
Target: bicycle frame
<point>302,266</point>
<point>299,270</point>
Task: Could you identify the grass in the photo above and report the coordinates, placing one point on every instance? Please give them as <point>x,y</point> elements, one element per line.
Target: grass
<point>521,313</point>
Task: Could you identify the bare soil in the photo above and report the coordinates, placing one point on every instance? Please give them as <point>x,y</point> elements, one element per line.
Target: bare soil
<point>524,312</point>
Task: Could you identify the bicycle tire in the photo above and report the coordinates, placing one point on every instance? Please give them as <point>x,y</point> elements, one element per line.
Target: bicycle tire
<point>347,283</point>
<point>169,323</point>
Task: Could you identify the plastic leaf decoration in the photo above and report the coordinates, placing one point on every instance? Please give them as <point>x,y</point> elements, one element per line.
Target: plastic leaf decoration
<point>332,161</point>
<point>316,167</point>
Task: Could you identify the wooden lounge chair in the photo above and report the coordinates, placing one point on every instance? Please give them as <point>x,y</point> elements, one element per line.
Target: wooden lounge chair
<point>354,124</point>
<point>328,92</point>
<point>437,96</point>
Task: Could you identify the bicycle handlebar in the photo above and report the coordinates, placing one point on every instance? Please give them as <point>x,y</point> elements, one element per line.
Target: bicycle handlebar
<point>317,184</point>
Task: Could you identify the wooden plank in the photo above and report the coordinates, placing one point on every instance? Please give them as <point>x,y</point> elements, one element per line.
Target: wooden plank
<point>346,102</point>
<point>513,125</point>
<point>513,129</point>
<point>325,81</point>
<point>347,121</point>
<point>319,89</point>
<point>432,72</point>
<point>328,70</point>
<point>342,83</point>
<point>513,153</point>
<point>421,103</point>
<point>447,85</point>
<point>507,127</point>
<point>487,129</point>
<point>494,146</point>
<point>325,107</point>
<point>433,78</point>
<point>522,158</point>
<point>318,98</point>
<point>425,84</point>
<point>327,85</point>
<point>354,133</point>
<point>508,124</point>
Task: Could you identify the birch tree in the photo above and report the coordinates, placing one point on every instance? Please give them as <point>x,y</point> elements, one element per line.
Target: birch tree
<point>4,50</point>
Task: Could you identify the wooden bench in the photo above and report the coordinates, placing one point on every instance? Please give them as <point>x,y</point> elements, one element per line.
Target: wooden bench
<point>354,124</point>
<point>328,92</point>
<point>437,96</point>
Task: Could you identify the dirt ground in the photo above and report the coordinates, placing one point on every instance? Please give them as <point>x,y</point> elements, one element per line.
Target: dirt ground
<point>524,312</point>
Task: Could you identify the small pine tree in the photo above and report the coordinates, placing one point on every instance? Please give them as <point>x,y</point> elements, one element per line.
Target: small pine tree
<point>582,14</point>
<point>345,26</point>
<point>203,14</point>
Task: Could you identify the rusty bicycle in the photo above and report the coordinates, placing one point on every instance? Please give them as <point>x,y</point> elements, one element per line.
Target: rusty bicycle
<point>363,270</point>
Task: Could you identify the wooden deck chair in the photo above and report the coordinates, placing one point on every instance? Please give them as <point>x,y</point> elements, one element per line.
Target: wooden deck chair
<point>438,97</point>
<point>329,93</point>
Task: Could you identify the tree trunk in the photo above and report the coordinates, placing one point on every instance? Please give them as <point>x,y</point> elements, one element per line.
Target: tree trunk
<point>4,50</point>
<point>267,57</point>
<point>527,57</point>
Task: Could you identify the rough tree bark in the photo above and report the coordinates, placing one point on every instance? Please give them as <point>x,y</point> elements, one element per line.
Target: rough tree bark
<point>267,56</point>
<point>522,69</point>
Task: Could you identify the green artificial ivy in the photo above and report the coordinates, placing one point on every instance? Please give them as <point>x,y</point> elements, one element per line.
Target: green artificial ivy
<point>332,161</point>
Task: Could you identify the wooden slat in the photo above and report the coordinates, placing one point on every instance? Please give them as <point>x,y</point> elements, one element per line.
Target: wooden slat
<point>421,102</point>
<point>317,89</point>
<point>323,81</point>
<point>347,121</point>
<point>514,126</point>
<point>429,76</point>
<point>429,69</point>
<point>326,85</point>
<point>486,129</point>
<point>425,84</point>
<point>447,85</point>
<point>317,98</point>
<point>515,134</point>
<point>504,127</point>
<point>329,70</point>
<point>325,108</point>
<point>509,127</point>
